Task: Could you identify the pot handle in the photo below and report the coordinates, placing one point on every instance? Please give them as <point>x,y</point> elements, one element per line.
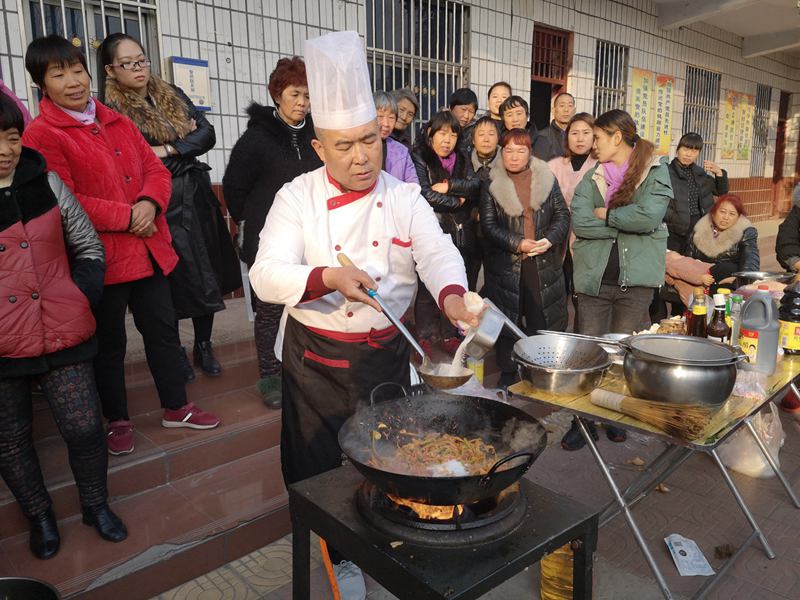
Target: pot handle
<point>384,384</point>
<point>487,479</point>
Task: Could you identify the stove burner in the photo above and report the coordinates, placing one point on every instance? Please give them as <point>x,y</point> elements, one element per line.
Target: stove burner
<point>480,523</point>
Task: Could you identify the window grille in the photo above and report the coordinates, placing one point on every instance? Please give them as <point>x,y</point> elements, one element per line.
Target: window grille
<point>551,55</point>
<point>610,76</point>
<point>419,44</point>
<point>758,158</point>
<point>701,108</point>
<point>86,23</point>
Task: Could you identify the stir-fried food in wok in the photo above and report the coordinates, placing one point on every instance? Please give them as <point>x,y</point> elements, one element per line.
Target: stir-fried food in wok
<point>435,454</point>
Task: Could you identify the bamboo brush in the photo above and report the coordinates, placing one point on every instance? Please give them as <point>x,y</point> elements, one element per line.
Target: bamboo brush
<point>686,421</point>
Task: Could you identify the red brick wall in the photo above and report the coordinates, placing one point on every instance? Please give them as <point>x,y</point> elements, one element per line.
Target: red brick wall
<point>763,199</point>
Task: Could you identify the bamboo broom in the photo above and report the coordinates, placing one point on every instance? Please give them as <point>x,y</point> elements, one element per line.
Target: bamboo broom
<point>686,421</point>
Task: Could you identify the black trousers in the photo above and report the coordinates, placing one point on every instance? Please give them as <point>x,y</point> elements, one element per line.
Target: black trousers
<point>324,383</point>
<point>150,302</point>
<point>530,309</point>
<point>70,390</point>
<point>265,327</point>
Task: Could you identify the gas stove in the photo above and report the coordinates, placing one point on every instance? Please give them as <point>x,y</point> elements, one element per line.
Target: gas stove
<point>460,552</point>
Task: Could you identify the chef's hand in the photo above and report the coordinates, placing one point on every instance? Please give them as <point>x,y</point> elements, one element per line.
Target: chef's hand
<point>351,283</point>
<point>713,167</point>
<point>601,213</point>
<point>456,310</point>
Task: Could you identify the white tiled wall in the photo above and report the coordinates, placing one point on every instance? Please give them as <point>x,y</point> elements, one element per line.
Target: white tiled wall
<point>243,39</point>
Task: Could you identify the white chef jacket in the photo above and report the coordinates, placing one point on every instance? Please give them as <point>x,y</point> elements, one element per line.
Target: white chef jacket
<point>391,233</point>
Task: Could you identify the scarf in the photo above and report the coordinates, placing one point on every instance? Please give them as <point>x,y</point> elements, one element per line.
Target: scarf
<point>86,116</point>
<point>693,191</point>
<point>577,161</point>
<point>448,163</point>
<point>614,175</point>
<point>163,119</point>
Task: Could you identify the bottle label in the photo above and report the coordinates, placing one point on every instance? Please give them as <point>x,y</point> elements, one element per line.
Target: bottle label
<point>699,309</point>
<point>790,335</point>
<point>748,342</point>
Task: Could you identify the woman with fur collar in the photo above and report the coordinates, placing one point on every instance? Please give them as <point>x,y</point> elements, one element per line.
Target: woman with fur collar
<point>178,133</point>
<point>726,238</point>
<point>526,223</point>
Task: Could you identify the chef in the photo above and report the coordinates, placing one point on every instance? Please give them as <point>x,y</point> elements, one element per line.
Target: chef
<point>336,344</point>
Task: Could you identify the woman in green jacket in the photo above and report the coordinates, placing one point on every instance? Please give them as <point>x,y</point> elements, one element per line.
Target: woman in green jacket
<point>619,254</point>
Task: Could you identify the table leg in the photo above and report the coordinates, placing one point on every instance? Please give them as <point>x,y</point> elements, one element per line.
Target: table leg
<point>786,485</point>
<point>740,501</point>
<point>301,562</point>
<point>662,584</point>
<point>582,564</point>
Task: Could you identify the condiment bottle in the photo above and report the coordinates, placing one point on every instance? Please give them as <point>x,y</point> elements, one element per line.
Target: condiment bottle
<point>727,293</point>
<point>718,329</point>
<point>736,303</point>
<point>697,325</point>
<point>789,318</point>
<point>759,332</point>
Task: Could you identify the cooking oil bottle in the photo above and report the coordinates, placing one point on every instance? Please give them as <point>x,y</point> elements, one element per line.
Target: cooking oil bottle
<point>556,575</point>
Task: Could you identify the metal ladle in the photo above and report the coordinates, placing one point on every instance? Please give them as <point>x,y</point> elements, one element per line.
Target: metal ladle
<point>428,369</point>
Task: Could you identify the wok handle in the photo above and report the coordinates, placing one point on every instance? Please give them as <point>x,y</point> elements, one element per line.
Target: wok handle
<point>487,479</point>
<point>384,384</point>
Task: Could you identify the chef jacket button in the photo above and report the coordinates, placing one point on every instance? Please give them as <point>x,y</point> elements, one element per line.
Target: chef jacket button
<point>337,247</point>
<point>350,314</point>
<point>127,178</point>
<point>375,243</point>
<point>380,204</point>
<point>23,244</point>
<point>35,295</point>
<point>12,299</point>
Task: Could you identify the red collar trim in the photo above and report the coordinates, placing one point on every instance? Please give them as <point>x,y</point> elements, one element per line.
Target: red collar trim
<point>346,197</point>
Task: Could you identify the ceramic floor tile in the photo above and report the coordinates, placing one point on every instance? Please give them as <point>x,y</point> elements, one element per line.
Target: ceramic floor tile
<point>219,584</point>
<point>159,517</point>
<point>268,569</point>
<point>238,490</point>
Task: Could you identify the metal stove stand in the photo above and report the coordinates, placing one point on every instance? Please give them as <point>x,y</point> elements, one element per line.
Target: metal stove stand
<point>326,504</point>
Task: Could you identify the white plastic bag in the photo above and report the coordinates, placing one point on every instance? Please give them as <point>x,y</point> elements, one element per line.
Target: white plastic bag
<point>740,452</point>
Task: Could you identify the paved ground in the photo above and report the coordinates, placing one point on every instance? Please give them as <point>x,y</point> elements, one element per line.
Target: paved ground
<point>698,506</point>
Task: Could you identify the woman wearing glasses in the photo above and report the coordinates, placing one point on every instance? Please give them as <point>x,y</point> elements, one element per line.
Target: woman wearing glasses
<point>124,189</point>
<point>178,133</point>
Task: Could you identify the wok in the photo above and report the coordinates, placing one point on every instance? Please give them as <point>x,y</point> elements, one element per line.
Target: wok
<point>517,437</point>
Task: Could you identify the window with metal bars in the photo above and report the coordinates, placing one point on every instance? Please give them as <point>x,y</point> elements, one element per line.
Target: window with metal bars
<point>86,23</point>
<point>551,55</point>
<point>610,76</point>
<point>701,108</point>
<point>758,157</point>
<point>419,44</point>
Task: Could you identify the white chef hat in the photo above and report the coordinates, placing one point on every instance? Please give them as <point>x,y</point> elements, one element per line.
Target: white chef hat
<point>338,81</point>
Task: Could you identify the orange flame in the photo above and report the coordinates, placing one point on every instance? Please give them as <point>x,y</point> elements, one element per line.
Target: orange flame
<point>429,511</point>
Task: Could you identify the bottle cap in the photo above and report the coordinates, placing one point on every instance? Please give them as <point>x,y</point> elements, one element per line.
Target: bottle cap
<point>737,298</point>
<point>763,287</point>
<point>698,292</point>
<point>719,299</point>
<point>724,291</point>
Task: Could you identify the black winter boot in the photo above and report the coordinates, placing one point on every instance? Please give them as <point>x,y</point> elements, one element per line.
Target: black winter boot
<point>205,359</point>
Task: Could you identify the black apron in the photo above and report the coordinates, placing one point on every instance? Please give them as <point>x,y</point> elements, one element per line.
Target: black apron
<point>325,378</point>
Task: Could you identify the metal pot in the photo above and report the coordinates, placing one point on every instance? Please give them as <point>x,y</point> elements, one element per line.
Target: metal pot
<point>680,369</point>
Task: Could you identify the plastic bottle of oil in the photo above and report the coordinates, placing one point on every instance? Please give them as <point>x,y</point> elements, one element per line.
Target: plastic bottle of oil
<point>789,315</point>
<point>556,578</point>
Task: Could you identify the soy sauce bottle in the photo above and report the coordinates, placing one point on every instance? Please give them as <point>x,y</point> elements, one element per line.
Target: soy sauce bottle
<point>789,318</point>
<point>718,329</point>
<point>697,325</point>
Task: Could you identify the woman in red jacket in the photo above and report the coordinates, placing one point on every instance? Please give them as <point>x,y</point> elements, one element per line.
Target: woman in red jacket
<point>124,189</point>
<point>52,264</point>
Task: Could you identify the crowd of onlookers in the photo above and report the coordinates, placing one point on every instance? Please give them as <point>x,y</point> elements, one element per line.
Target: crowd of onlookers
<point>106,208</point>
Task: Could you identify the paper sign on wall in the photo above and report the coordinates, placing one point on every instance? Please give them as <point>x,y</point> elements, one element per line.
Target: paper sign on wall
<point>738,110</point>
<point>192,76</point>
<point>651,107</point>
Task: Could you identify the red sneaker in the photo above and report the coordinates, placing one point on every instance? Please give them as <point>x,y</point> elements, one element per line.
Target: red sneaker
<point>189,416</point>
<point>119,437</point>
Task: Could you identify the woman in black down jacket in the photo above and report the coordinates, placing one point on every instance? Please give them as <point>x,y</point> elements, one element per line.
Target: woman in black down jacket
<point>178,133</point>
<point>726,238</point>
<point>450,186</point>
<point>526,222</point>
<point>275,148</point>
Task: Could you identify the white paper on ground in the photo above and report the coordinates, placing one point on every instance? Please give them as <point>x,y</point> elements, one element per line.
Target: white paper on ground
<point>687,556</point>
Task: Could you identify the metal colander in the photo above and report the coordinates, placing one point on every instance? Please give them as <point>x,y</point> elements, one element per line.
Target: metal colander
<point>561,365</point>
<point>556,352</point>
